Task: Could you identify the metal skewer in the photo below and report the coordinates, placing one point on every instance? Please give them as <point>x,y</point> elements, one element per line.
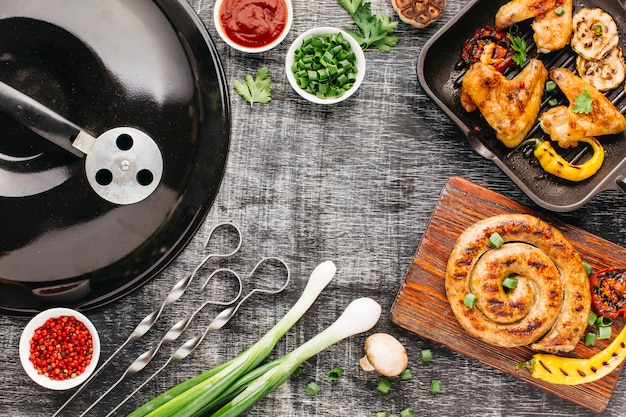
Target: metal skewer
<point>172,334</point>
<point>146,324</point>
<point>220,320</point>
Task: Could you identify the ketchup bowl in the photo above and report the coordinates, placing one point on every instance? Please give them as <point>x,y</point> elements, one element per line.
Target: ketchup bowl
<point>59,348</point>
<point>253,26</point>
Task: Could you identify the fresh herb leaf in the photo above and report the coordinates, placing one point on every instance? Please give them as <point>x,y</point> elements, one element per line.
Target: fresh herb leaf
<point>350,5</point>
<point>371,29</point>
<point>519,46</point>
<point>582,103</point>
<point>255,90</point>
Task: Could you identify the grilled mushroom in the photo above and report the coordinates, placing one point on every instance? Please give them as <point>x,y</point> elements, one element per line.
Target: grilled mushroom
<point>419,13</point>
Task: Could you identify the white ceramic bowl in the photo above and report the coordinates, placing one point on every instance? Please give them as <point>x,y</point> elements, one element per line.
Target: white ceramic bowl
<point>360,64</point>
<point>231,43</point>
<point>24,348</point>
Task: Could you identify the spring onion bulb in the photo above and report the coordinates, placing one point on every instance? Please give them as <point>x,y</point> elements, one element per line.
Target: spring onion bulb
<point>360,316</point>
<point>194,396</point>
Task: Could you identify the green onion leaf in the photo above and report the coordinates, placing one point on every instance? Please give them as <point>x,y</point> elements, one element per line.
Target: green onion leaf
<point>312,388</point>
<point>496,240</point>
<point>406,413</point>
<point>603,321</point>
<point>470,300</point>
<point>592,318</point>
<point>384,385</point>
<point>335,373</point>
<point>550,86</point>
<point>406,375</point>
<point>426,355</point>
<point>553,102</point>
<point>590,339</point>
<point>597,29</point>
<point>510,282</point>
<point>604,332</point>
<point>435,386</point>
<point>328,59</point>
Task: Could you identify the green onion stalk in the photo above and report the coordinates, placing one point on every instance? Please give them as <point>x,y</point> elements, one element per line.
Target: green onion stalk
<point>198,394</point>
<point>360,316</point>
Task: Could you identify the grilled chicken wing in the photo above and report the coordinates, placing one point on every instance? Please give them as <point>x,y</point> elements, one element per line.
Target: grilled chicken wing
<point>516,11</point>
<point>509,106</point>
<point>566,126</point>
<point>553,30</point>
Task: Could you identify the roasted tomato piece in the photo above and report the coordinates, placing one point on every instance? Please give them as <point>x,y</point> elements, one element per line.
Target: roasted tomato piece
<point>608,292</point>
<point>490,46</point>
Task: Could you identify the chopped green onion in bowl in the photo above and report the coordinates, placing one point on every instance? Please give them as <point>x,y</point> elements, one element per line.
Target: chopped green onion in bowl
<point>325,65</point>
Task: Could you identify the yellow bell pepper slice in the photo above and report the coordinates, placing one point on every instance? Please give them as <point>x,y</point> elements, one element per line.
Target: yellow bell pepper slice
<point>572,371</point>
<point>555,164</point>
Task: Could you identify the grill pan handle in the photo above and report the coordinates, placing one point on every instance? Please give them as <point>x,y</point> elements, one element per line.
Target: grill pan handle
<point>38,118</point>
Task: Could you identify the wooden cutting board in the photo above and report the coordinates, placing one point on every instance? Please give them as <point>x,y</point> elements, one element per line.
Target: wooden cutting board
<point>421,305</point>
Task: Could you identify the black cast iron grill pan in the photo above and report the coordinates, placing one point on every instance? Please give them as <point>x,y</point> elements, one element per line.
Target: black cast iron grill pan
<point>439,73</point>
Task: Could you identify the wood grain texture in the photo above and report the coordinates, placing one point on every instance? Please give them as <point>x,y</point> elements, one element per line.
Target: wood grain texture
<point>421,305</point>
<point>355,183</point>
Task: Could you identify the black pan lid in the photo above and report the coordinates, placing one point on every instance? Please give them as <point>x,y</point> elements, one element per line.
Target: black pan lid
<point>148,64</point>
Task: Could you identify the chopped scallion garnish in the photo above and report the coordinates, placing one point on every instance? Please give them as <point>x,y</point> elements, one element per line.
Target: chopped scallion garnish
<point>510,282</point>
<point>470,300</point>
<point>312,388</point>
<point>496,240</point>
<point>380,414</point>
<point>406,413</point>
<point>592,318</point>
<point>603,321</point>
<point>550,86</point>
<point>426,355</point>
<point>330,65</point>
<point>406,375</point>
<point>588,268</point>
<point>560,11</point>
<point>590,339</point>
<point>335,373</point>
<point>435,385</point>
<point>604,332</point>
<point>384,385</point>
<point>597,29</point>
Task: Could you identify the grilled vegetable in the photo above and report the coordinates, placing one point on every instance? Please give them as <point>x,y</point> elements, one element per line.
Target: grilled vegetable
<point>595,33</point>
<point>608,292</point>
<point>604,74</point>
<point>555,164</point>
<point>572,371</point>
<point>490,46</point>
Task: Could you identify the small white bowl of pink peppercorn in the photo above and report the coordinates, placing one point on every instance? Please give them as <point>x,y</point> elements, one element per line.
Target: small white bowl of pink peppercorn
<point>59,348</point>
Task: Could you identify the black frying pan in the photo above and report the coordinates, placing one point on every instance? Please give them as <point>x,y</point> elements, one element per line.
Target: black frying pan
<point>439,73</point>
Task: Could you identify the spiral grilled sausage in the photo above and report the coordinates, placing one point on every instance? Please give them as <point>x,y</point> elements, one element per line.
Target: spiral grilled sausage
<point>550,306</point>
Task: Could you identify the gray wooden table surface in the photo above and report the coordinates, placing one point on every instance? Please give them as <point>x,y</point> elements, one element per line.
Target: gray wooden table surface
<point>354,183</point>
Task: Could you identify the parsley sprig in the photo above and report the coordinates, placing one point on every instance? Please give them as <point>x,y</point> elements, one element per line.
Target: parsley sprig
<point>255,90</point>
<point>519,46</point>
<point>582,103</point>
<point>371,29</point>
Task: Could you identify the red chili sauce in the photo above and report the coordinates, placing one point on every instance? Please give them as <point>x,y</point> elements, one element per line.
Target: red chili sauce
<point>253,23</point>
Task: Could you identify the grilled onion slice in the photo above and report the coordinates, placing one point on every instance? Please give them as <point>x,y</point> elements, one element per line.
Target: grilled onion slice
<point>595,33</point>
<point>604,74</point>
